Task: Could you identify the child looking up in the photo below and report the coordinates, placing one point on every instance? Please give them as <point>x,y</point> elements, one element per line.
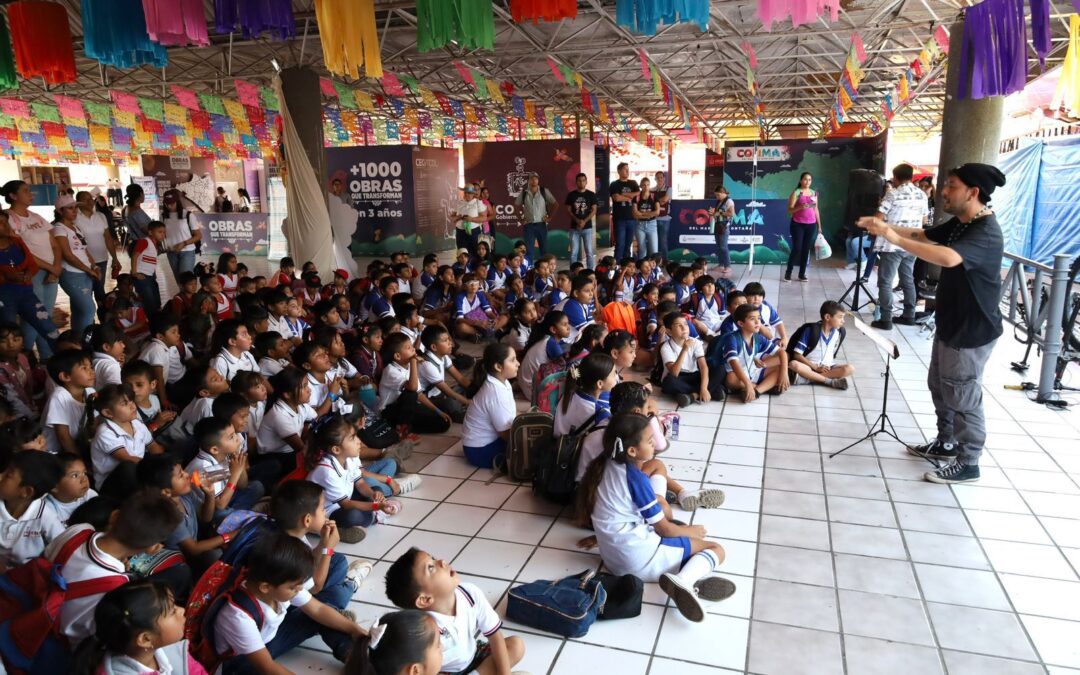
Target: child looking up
<point>73,371</point>
<point>416,580</point>
<point>326,391</point>
<point>252,387</point>
<point>686,376</point>
<point>634,535</point>
<point>27,522</point>
<point>163,353</point>
<point>277,307</point>
<point>207,383</point>
<point>706,307</point>
<point>486,428</point>
<point>219,445</point>
<point>812,351</point>
<point>273,352</point>
<point>232,345</point>
<point>734,299</point>
<point>139,376</point>
<point>473,316</point>
<point>517,330</point>
<point>107,343</point>
<point>754,364</point>
<point>120,437</point>
<point>73,490</point>
<point>436,370</point>
<point>281,434</point>
<point>400,400</point>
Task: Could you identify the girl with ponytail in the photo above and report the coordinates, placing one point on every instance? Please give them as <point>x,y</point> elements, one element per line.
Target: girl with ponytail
<point>139,629</point>
<point>400,643</point>
<point>584,401</point>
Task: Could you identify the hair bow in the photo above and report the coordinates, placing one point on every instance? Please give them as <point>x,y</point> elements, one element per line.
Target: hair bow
<point>616,448</point>
<point>575,372</point>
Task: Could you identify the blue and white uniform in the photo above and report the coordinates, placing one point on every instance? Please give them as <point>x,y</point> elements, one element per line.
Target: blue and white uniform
<point>625,290</point>
<point>737,349</point>
<point>579,315</point>
<point>710,312</point>
<point>542,287</point>
<point>769,316</point>
<point>557,297</point>
<point>682,294</point>
<point>463,306</point>
<point>497,280</point>
<point>378,305</point>
<point>581,407</point>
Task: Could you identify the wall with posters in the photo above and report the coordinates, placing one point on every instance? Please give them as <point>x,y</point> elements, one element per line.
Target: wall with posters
<point>194,176</point>
<point>392,198</point>
<point>239,233</point>
<point>504,169</point>
<point>769,172</point>
<point>762,224</point>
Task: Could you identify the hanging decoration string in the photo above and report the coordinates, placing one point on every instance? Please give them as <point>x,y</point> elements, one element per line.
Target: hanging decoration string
<point>114,33</point>
<point>349,38</point>
<point>9,79</point>
<point>42,41</point>
<point>543,10</point>
<point>255,17</point>
<point>176,22</point>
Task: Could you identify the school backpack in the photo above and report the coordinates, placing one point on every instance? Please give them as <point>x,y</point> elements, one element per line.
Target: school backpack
<point>556,463</point>
<point>218,585</point>
<point>567,606</point>
<point>811,332</point>
<point>620,315</point>
<point>31,595</point>
<point>550,380</point>
<point>529,432</point>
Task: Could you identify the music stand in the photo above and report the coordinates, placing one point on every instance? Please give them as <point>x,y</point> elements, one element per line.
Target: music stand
<point>858,284</point>
<point>891,352</point>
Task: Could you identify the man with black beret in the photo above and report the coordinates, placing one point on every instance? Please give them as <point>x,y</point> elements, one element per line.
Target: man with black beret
<point>969,248</point>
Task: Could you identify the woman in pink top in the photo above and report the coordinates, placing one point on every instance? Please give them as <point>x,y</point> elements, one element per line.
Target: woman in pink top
<point>805,225</point>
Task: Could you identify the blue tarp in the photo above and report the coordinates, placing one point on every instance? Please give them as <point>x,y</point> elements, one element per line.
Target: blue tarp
<point>1014,203</point>
<point>1056,222</point>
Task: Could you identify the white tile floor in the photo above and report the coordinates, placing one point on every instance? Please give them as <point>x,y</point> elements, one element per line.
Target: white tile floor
<point>844,565</point>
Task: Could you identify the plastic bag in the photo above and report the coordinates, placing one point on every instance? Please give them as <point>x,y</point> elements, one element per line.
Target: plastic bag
<point>822,250</point>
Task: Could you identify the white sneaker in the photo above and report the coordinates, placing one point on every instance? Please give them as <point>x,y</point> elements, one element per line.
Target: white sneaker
<point>850,266</point>
<point>358,571</point>
<point>408,482</point>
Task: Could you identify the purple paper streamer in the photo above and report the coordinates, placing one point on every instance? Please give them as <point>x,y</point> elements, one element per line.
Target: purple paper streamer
<point>994,49</point>
<point>1040,29</point>
<point>255,17</point>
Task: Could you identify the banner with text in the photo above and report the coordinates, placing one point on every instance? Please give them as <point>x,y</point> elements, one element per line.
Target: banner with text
<point>759,223</point>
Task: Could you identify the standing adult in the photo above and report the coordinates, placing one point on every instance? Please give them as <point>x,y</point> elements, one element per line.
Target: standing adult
<point>245,200</point>
<point>182,232</point>
<point>487,228</point>
<point>99,240</point>
<point>18,267</point>
<point>136,220</point>
<point>536,205</point>
<point>581,204</point>
<point>78,271</point>
<point>467,216</point>
<point>805,225</point>
<point>623,224</point>
<point>968,247</point>
<point>663,221</point>
<point>646,208</point>
<point>904,206</point>
<point>722,214</point>
<point>36,233</point>
<point>222,203</point>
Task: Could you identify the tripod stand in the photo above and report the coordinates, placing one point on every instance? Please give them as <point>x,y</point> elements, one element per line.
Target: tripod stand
<point>858,284</point>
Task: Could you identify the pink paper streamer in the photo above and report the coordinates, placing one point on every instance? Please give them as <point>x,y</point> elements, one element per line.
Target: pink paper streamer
<point>69,107</point>
<point>645,73</point>
<point>125,101</point>
<point>15,107</point>
<point>800,11</point>
<point>247,93</point>
<point>327,87</point>
<point>392,84</point>
<point>186,97</point>
<point>176,22</point>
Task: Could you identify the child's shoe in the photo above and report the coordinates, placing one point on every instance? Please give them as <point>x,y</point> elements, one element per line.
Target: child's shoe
<point>390,507</point>
<point>684,597</point>
<point>714,589</point>
<point>358,571</point>
<point>710,498</point>
<point>408,482</point>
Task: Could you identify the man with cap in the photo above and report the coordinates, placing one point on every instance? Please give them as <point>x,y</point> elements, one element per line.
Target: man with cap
<point>969,248</point>
<point>467,217</point>
<point>536,205</point>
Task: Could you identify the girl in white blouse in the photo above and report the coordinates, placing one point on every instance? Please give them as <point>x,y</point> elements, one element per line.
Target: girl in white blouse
<point>486,429</point>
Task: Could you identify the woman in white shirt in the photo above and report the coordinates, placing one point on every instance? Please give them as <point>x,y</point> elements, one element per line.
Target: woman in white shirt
<point>99,240</point>
<point>486,429</point>
<point>182,232</point>
<point>78,272</point>
<point>36,233</point>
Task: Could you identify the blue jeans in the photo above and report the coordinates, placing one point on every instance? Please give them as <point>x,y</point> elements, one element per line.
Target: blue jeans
<point>181,262</point>
<point>79,287</point>
<point>723,253</point>
<point>386,467</point>
<point>868,265</point>
<point>20,302</point>
<point>802,240</point>
<point>537,232</point>
<point>583,239</point>
<point>293,631</point>
<point>662,225</point>
<point>646,237</point>
<point>147,289</point>
<point>46,295</point>
<point>337,591</point>
<point>624,234</point>
<point>889,264</point>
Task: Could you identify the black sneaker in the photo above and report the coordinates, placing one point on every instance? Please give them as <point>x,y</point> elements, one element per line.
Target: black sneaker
<point>881,325</point>
<point>684,400</point>
<point>954,472</point>
<point>934,450</point>
<point>905,321</point>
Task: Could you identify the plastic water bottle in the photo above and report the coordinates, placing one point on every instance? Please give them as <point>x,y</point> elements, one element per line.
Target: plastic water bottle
<point>210,475</point>
<point>675,427</point>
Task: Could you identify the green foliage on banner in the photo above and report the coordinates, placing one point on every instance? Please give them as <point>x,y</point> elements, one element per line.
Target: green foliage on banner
<point>45,112</point>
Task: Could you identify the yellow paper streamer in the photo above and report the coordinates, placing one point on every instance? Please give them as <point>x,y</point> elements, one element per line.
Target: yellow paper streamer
<point>349,38</point>
<point>1068,88</point>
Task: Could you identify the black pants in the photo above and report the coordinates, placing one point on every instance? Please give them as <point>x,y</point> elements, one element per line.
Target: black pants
<point>803,236</point>
<point>420,419</point>
<point>690,383</point>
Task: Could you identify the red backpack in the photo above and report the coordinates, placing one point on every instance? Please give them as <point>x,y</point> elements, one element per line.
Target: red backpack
<point>31,595</point>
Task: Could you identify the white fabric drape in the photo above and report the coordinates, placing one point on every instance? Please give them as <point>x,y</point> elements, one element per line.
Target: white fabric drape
<point>307,227</point>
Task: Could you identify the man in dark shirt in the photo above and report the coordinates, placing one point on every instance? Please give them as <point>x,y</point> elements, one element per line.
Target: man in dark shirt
<point>623,223</point>
<point>663,221</point>
<point>581,204</point>
<point>969,248</point>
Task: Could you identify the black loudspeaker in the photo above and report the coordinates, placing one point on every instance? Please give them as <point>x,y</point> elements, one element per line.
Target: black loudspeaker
<point>865,188</point>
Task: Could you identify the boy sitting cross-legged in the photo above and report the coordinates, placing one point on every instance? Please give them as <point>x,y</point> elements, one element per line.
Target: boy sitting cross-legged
<point>813,348</point>
<point>754,363</point>
<point>416,580</point>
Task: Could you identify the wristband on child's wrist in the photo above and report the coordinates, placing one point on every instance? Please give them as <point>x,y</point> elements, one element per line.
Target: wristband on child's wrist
<point>230,486</point>
<point>225,537</point>
<point>388,480</point>
<point>375,506</point>
<point>327,551</point>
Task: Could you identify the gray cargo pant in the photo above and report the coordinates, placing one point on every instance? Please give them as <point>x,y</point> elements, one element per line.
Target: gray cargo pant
<point>888,265</point>
<point>955,381</point>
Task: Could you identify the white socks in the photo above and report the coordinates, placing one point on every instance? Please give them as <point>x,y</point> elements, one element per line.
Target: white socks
<point>698,566</point>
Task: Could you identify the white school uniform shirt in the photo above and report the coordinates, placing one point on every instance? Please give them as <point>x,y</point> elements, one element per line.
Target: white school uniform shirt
<point>393,381</point>
<point>24,538</point>
<point>343,368</point>
<point>106,369</point>
<point>626,510</point>
<point>517,337</point>
<point>280,422</point>
<point>431,371</point>
<point>708,313</point>
<point>769,315</point>
<point>63,510</point>
<point>473,616</point>
<point>228,365</point>
<point>157,353</point>
<point>338,482</point>
<point>270,367</point>
<point>61,408</point>
<point>492,411</point>
<point>669,351</point>
<point>86,562</point>
<point>111,438</point>
<point>199,408</point>
<point>578,411</point>
<point>280,326</point>
<point>824,352</point>
<point>202,461</point>
<point>235,630</point>
<point>257,411</point>
<point>591,448</point>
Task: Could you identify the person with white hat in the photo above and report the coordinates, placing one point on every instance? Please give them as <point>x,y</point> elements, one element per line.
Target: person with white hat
<point>78,271</point>
<point>468,216</point>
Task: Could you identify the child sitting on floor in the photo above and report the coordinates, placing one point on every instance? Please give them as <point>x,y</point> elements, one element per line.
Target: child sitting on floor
<point>686,375</point>
<point>486,428</point>
<point>27,522</point>
<point>400,400</point>
<point>813,348</point>
<point>772,326</point>
<point>753,363</point>
<point>73,373</point>
<point>440,380</point>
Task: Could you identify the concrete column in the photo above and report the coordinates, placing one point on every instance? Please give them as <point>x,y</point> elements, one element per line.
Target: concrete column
<point>970,128</point>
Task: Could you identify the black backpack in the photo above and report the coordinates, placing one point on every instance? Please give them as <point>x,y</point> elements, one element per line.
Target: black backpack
<point>812,332</point>
<point>555,474</point>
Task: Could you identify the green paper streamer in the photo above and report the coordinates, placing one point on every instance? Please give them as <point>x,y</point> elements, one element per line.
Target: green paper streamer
<point>411,83</point>
<point>45,112</point>
<point>470,23</point>
<point>153,109</point>
<point>269,99</point>
<point>9,78</point>
<point>345,96</point>
<point>6,121</point>
<point>481,86</point>
<point>212,104</point>
<point>99,113</point>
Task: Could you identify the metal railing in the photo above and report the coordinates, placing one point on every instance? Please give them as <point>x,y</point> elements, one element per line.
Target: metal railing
<point>1037,311</point>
